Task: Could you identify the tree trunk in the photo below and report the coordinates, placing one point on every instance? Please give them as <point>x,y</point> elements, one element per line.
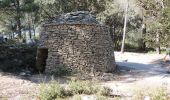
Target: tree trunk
<point>143,35</point>
<point>111,33</point>
<point>9,36</point>
<point>29,26</point>
<point>32,23</point>
<point>19,28</point>
<point>18,17</point>
<point>124,29</point>
<point>33,27</point>
<point>158,42</point>
<point>158,34</point>
<point>29,21</point>
<point>13,35</point>
<point>162,3</point>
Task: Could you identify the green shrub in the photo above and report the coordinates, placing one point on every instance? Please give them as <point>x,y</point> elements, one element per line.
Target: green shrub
<point>83,87</point>
<point>154,94</point>
<point>88,87</point>
<point>54,91</point>
<point>105,91</point>
<point>51,91</point>
<point>160,94</point>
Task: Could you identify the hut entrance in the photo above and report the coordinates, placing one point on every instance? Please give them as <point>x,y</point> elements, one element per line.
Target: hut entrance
<point>42,54</point>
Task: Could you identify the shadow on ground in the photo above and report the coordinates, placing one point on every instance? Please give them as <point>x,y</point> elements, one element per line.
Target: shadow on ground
<point>37,78</point>
<point>126,72</point>
<point>130,71</point>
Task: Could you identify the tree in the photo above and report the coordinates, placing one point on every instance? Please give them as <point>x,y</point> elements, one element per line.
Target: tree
<point>30,9</point>
<point>18,8</point>
<point>14,6</point>
<point>49,9</point>
<point>153,15</point>
<point>115,19</point>
<point>124,29</point>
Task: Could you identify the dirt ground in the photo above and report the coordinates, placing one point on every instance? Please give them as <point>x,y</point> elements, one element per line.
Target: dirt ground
<point>137,70</point>
<point>140,71</point>
<point>17,87</point>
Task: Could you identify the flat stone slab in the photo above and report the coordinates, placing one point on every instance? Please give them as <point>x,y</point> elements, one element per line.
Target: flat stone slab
<point>75,17</point>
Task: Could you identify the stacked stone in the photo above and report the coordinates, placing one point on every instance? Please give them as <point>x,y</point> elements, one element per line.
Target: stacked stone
<point>43,38</point>
<point>75,17</point>
<point>18,57</point>
<point>83,46</point>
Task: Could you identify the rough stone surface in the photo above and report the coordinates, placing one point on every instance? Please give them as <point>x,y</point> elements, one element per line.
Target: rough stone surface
<point>16,58</point>
<point>75,17</point>
<point>81,46</point>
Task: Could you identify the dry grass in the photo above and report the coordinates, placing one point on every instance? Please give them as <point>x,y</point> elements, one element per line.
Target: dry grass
<point>159,93</point>
<point>53,90</point>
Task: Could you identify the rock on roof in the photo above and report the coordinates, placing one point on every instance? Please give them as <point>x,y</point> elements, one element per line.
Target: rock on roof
<point>83,17</point>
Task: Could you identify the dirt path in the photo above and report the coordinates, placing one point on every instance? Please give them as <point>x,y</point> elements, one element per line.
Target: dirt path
<point>140,71</point>
<point>17,87</point>
<point>13,87</point>
<point>137,71</point>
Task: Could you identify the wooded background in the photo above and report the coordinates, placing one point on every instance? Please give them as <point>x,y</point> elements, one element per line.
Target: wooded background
<point>147,24</point>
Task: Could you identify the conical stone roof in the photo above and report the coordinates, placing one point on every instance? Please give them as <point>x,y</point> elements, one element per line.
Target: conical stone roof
<point>82,17</point>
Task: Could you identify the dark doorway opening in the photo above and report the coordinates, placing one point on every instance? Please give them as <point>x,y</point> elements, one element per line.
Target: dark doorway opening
<point>42,54</point>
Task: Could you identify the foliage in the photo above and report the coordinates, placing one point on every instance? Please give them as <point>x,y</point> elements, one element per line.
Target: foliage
<point>51,91</point>
<point>115,19</point>
<point>82,87</point>
<point>88,87</point>
<point>11,42</point>
<point>54,91</point>
<point>157,19</point>
<point>16,58</point>
<point>154,94</point>
<point>104,91</point>
<point>51,8</point>
<point>13,15</point>
<point>28,14</point>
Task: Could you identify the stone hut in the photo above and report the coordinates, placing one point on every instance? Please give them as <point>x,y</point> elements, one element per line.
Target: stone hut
<point>78,42</point>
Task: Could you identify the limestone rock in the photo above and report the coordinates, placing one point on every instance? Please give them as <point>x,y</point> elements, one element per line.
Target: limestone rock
<point>76,41</point>
<point>75,17</point>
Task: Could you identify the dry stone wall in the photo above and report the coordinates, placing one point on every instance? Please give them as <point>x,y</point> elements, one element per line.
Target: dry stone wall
<point>85,47</point>
<point>16,58</point>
